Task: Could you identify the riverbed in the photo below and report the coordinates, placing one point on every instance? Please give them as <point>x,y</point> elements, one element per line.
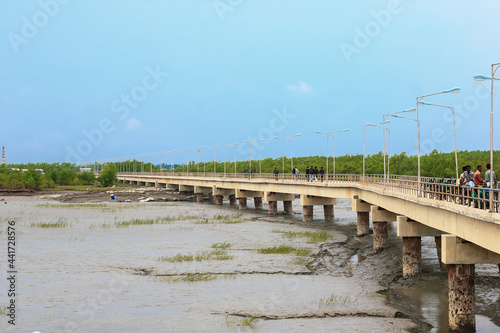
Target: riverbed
<point>186,267</point>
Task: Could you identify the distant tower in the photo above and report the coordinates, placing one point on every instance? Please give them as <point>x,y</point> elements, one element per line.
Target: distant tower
<point>4,161</point>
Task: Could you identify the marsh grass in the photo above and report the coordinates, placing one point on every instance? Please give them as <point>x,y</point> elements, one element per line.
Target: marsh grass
<point>237,320</point>
<point>194,277</point>
<point>158,220</point>
<point>284,249</point>
<point>216,254</point>
<point>299,261</point>
<point>61,223</point>
<point>314,236</point>
<point>220,219</point>
<point>336,299</point>
<point>223,245</point>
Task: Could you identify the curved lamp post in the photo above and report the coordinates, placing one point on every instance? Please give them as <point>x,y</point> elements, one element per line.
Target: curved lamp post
<point>327,139</point>
<point>494,68</point>
<point>288,138</point>
<point>364,138</point>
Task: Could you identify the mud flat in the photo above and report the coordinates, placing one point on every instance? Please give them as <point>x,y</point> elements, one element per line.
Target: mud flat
<point>107,266</point>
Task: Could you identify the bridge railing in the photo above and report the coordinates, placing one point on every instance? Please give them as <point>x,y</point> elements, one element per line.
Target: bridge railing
<point>430,188</point>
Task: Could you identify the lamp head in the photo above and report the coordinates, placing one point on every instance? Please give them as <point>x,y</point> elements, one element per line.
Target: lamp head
<point>316,132</point>
<point>277,137</point>
<point>452,90</point>
<point>423,103</point>
<point>480,77</point>
<point>410,110</point>
<point>345,130</point>
<point>299,134</point>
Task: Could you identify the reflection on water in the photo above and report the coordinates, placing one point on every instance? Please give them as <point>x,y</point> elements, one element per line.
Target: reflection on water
<point>433,307</point>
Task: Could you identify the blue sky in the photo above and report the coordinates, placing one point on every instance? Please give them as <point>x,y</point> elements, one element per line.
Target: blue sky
<point>95,79</point>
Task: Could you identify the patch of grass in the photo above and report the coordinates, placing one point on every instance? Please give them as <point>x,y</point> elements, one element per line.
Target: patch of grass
<point>237,320</point>
<point>177,258</point>
<point>352,225</point>
<point>158,220</point>
<point>224,245</point>
<point>338,299</point>
<point>189,278</point>
<point>3,310</point>
<point>58,224</point>
<point>284,249</point>
<point>220,219</point>
<point>217,254</point>
<point>314,236</point>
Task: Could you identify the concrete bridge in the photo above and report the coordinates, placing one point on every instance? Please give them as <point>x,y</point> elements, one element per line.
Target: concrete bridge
<point>464,221</point>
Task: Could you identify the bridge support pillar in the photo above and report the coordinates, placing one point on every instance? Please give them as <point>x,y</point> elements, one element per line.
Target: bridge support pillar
<point>219,199</point>
<point>287,205</point>
<point>199,197</point>
<point>258,202</point>
<point>442,265</point>
<point>242,203</point>
<point>461,257</point>
<point>211,197</point>
<point>232,199</point>
<point>363,223</point>
<point>461,298</point>
<point>273,207</point>
<point>307,213</point>
<point>363,211</point>
<point>412,256</point>
<point>379,236</point>
<point>310,200</point>
<point>328,210</point>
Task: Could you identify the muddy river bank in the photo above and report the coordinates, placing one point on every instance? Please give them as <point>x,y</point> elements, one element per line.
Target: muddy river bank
<point>152,260</point>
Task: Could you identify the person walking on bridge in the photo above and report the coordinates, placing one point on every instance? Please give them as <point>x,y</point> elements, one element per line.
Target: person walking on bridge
<point>478,180</point>
<point>307,173</point>
<point>488,178</point>
<point>276,172</point>
<point>322,173</point>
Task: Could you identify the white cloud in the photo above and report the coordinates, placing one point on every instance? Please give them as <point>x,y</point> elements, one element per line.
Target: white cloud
<point>301,87</point>
<point>133,124</point>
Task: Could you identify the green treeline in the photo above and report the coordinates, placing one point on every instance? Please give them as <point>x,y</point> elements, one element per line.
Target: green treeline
<point>434,164</point>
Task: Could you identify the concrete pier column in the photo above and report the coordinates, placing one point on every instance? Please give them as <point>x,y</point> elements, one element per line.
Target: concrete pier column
<point>258,202</point>
<point>219,199</point>
<point>363,223</point>
<point>199,197</point>
<point>461,298</point>
<point>232,199</point>
<point>442,265</point>
<point>307,213</point>
<point>287,205</point>
<point>328,210</point>
<point>211,197</point>
<point>379,236</point>
<point>412,256</point>
<point>273,207</point>
<point>242,203</point>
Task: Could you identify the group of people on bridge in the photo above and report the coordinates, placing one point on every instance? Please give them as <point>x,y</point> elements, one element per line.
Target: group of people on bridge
<point>468,178</point>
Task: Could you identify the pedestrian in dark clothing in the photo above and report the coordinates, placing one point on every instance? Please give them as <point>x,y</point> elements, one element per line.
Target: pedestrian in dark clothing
<point>316,172</point>
<point>276,172</point>
<point>307,173</point>
<point>322,172</point>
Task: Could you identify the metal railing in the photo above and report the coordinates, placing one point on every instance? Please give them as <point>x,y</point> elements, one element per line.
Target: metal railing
<point>440,189</point>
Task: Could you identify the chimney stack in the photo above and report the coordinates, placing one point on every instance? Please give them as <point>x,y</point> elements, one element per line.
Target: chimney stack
<point>4,161</point>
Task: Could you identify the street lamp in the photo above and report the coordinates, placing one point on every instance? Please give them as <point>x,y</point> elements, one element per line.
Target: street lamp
<point>384,118</point>
<point>327,157</point>
<point>494,68</point>
<point>225,154</point>
<point>188,149</point>
<point>288,138</point>
<point>260,161</point>
<point>418,130</point>
<point>364,136</point>
<point>205,163</point>
<point>452,109</point>
<point>419,98</point>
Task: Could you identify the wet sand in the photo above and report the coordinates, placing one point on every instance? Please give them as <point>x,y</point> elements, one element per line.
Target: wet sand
<point>94,276</point>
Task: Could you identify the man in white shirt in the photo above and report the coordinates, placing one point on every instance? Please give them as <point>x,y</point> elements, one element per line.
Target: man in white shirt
<point>487,176</point>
